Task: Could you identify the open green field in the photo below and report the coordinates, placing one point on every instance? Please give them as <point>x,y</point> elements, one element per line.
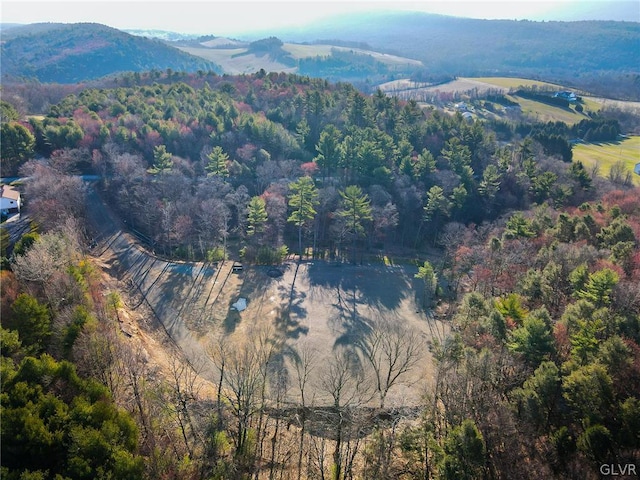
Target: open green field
<point>507,82</point>
<point>604,155</point>
<point>544,112</point>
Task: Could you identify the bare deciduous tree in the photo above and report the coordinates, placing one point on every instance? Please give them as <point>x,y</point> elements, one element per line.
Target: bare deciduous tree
<point>305,363</point>
<point>182,394</point>
<point>48,258</point>
<point>244,369</point>
<point>392,351</point>
<point>344,382</point>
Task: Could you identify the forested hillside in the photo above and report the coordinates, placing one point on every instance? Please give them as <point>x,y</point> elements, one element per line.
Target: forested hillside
<point>588,54</point>
<point>530,260</point>
<point>258,133</point>
<point>70,53</point>
<point>597,56</point>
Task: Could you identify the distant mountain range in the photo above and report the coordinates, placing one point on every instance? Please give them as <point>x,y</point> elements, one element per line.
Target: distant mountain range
<point>370,48</point>
<point>70,53</point>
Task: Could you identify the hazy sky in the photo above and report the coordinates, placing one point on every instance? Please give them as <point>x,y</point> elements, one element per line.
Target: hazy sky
<point>219,17</point>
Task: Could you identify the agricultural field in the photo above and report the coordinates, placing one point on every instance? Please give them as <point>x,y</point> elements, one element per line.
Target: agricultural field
<point>544,112</point>
<point>466,88</point>
<point>235,60</point>
<point>508,82</point>
<point>604,155</point>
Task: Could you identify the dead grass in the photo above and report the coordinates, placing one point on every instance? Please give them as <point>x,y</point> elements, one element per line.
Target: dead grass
<point>508,82</point>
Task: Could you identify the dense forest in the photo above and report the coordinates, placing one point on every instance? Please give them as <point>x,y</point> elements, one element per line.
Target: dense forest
<point>70,53</point>
<point>531,260</point>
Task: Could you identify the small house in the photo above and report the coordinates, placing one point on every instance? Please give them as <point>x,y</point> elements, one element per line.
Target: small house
<point>11,200</point>
<point>567,95</point>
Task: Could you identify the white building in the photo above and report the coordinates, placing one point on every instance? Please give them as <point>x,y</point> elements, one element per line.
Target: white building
<point>10,200</point>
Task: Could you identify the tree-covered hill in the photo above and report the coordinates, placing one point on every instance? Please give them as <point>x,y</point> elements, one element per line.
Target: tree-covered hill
<point>259,132</point>
<point>471,47</point>
<point>70,53</point>
<point>532,260</point>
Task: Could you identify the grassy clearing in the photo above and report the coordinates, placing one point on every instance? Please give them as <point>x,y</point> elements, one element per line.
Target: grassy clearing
<point>548,113</point>
<point>232,64</point>
<point>591,105</point>
<point>216,55</point>
<point>603,155</point>
<point>506,82</point>
<point>306,51</point>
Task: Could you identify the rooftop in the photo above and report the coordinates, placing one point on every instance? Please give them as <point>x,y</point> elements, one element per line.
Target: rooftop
<point>10,192</point>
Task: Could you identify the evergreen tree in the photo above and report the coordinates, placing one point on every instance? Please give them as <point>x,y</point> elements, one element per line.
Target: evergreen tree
<point>257,216</point>
<point>465,453</point>
<point>329,150</point>
<point>161,160</point>
<point>303,199</point>
<point>217,162</point>
<point>427,274</point>
<point>32,322</point>
<point>355,211</point>
<point>17,145</point>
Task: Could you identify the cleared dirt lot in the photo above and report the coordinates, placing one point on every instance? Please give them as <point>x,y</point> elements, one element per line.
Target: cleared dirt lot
<point>324,306</point>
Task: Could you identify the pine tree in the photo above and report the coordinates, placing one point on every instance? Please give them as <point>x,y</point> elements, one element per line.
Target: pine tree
<point>257,216</point>
<point>161,160</point>
<point>303,198</point>
<point>355,211</point>
<point>217,164</point>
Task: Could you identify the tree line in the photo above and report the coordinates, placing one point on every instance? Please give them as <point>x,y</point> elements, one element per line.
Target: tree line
<point>162,149</point>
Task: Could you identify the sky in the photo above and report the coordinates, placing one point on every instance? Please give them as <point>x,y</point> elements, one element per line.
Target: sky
<point>218,17</point>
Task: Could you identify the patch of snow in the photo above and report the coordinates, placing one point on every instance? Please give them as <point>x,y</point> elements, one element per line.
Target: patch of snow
<point>240,305</point>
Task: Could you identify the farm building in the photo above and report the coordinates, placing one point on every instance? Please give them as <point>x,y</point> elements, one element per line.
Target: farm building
<point>566,95</point>
<point>10,200</point>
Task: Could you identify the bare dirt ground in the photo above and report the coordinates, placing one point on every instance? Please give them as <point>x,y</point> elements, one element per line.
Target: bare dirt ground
<point>324,306</point>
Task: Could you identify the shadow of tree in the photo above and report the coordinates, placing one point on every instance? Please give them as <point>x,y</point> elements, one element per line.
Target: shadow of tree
<point>231,321</point>
<point>381,285</point>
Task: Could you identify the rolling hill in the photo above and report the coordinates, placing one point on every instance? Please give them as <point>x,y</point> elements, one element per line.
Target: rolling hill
<point>564,52</point>
<point>473,45</point>
<point>598,56</point>
<point>70,53</point>
<point>335,62</point>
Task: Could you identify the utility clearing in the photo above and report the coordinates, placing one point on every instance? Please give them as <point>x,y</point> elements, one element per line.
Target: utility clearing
<point>316,305</point>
